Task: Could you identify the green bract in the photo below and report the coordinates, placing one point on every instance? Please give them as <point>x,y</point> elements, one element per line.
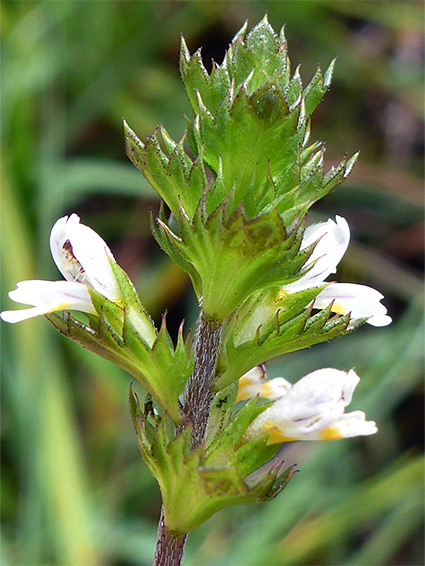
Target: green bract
<point>127,337</point>
<point>237,205</point>
<point>270,323</point>
<point>195,484</point>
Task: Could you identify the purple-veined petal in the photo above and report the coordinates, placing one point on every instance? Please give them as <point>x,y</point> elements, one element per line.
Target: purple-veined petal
<point>359,300</point>
<point>313,409</point>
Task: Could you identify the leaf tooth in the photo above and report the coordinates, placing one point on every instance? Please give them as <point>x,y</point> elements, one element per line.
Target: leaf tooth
<point>350,164</point>
<point>180,333</point>
<point>327,77</point>
<point>182,211</point>
<point>227,100</point>
<point>262,25</point>
<point>184,49</point>
<point>282,35</point>
<point>168,231</point>
<point>239,36</point>
<point>334,172</point>
<point>307,132</point>
<point>302,115</point>
<point>170,144</point>
<point>297,76</point>
<point>296,104</point>
<point>202,108</point>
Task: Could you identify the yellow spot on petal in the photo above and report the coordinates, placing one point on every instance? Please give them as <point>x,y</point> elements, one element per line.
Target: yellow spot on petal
<point>281,294</point>
<point>339,308</point>
<point>242,395</point>
<point>330,433</point>
<point>266,390</point>
<point>276,436</point>
<point>244,382</point>
<point>63,307</point>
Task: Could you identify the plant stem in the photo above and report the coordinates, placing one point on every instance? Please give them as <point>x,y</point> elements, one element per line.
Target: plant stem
<point>169,545</point>
<point>200,394</point>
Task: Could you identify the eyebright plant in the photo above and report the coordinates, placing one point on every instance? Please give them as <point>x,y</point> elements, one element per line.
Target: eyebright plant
<point>236,189</point>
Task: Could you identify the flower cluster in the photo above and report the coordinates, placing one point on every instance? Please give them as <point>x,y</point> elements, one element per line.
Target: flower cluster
<point>86,262</point>
<point>237,204</point>
<point>312,409</point>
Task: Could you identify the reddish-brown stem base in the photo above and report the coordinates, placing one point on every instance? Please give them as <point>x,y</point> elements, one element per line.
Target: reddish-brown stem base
<point>200,394</point>
<point>169,546</point>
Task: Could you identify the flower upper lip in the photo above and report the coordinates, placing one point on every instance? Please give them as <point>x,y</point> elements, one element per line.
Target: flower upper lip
<point>82,255</point>
<point>332,239</point>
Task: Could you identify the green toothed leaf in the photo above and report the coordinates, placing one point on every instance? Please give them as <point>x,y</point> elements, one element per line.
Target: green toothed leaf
<point>267,326</point>
<point>193,487</point>
<point>229,257</point>
<point>115,335</point>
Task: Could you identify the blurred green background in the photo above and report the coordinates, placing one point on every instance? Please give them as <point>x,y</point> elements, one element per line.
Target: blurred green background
<point>74,488</point>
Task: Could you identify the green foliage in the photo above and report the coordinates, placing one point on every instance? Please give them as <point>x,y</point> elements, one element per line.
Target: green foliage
<point>271,323</point>
<point>255,140</point>
<point>70,71</point>
<point>251,131</point>
<point>178,180</point>
<point>195,484</point>
<point>161,368</point>
<point>211,248</point>
<point>250,138</point>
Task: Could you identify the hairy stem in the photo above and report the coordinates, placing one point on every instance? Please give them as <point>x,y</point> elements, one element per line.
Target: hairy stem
<point>169,545</point>
<point>200,394</point>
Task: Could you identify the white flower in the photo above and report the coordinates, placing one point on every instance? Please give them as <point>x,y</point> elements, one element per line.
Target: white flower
<point>359,300</point>
<point>313,409</point>
<point>253,383</point>
<point>84,260</point>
